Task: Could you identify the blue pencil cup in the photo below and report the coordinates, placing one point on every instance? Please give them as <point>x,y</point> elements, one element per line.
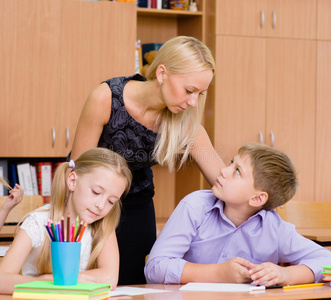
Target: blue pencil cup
<point>65,262</point>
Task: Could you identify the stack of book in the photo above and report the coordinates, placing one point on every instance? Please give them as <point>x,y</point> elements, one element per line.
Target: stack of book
<point>326,273</point>
<point>47,290</point>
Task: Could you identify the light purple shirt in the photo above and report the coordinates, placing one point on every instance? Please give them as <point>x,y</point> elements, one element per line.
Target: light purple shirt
<point>199,232</point>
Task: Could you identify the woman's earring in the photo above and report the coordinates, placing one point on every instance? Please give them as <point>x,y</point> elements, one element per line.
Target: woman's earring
<point>160,82</point>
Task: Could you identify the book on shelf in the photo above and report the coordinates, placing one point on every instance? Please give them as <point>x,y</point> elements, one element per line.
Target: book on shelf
<point>24,178</point>
<point>44,179</point>
<point>34,180</point>
<point>47,290</point>
<point>4,175</point>
<point>12,174</point>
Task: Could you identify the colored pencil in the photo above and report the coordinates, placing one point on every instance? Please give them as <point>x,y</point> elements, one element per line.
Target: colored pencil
<point>54,232</point>
<point>76,225</point>
<point>303,285</point>
<point>50,228</point>
<point>82,232</point>
<point>49,233</point>
<point>62,229</point>
<point>68,227</point>
<point>79,230</point>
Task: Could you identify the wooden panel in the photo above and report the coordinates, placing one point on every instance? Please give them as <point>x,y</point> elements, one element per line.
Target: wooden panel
<point>238,17</point>
<point>28,204</point>
<point>98,42</point>
<point>156,29</point>
<point>294,18</point>
<point>291,96</point>
<point>323,123</point>
<point>324,19</point>
<point>306,214</point>
<point>164,199</point>
<point>240,93</point>
<point>30,76</point>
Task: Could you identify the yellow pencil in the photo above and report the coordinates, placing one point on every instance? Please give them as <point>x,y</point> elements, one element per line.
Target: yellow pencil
<point>303,285</point>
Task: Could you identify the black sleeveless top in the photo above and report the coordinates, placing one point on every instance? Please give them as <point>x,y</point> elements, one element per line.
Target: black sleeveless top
<point>125,136</point>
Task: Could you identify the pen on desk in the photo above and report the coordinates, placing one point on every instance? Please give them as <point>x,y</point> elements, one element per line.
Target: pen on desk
<point>275,286</point>
<point>303,285</point>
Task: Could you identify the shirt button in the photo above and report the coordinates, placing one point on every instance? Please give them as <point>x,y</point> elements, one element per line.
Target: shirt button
<point>225,256</point>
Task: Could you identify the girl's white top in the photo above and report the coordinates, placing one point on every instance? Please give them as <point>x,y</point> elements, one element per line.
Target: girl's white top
<point>34,225</point>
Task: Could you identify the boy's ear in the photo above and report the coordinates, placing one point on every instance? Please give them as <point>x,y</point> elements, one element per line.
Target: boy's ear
<point>259,199</point>
<point>71,181</point>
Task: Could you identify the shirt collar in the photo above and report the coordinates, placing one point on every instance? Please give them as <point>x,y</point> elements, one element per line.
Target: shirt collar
<point>219,204</point>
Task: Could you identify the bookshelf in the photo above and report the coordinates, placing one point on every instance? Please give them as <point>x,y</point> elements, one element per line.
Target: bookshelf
<point>158,26</point>
<point>69,47</point>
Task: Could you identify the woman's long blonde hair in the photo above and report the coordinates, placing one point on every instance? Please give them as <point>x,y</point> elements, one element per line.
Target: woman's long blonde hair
<point>177,132</point>
<point>101,229</point>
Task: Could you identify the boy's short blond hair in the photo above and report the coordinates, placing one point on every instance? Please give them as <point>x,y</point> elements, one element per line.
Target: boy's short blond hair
<point>273,172</point>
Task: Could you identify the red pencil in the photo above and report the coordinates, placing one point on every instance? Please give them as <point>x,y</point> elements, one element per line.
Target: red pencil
<point>82,232</point>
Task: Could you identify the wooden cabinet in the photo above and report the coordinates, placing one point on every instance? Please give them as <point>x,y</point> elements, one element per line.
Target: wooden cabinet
<point>53,53</point>
<point>323,104</point>
<point>266,83</point>
<point>97,43</point>
<point>273,18</point>
<point>30,76</point>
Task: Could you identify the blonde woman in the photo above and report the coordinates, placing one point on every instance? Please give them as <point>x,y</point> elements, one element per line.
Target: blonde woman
<point>149,120</point>
<point>86,193</point>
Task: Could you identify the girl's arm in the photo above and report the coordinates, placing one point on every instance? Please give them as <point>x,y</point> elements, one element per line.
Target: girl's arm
<point>95,114</point>
<point>11,264</point>
<point>205,155</point>
<point>14,198</point>
<point>108,265</point>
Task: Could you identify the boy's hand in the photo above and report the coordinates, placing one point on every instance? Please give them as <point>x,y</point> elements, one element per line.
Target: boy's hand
<point>235,270</point>
<point>268,274</point>
<point>14,198</point>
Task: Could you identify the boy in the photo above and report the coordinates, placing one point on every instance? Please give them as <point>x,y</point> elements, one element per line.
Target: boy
<point>232,234</point>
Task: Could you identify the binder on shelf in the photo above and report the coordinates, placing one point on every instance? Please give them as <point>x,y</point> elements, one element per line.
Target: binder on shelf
<point>12,174</point>
<point>34,180</point>
<point>24,178</point>
<point>4,175</point>
<point>44,179</point>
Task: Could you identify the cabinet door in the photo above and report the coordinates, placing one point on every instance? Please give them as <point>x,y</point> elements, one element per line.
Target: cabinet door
<point>30,76</point>
<point>323,19</point>
<point>291,89</point>
<point>323,122</point>
<point>241,17</point>
<point>97,43</point>
<point>240,93</point>
<point>292,18</point>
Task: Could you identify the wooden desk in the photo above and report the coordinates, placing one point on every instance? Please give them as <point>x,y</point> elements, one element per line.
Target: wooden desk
<point>323,292</point>
<point>316,234</point>
<point>321,236</point>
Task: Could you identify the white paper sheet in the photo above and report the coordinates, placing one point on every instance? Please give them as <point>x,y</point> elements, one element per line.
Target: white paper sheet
<point>132,291</point>
<point>221,287</point>
<point>3,250</point>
